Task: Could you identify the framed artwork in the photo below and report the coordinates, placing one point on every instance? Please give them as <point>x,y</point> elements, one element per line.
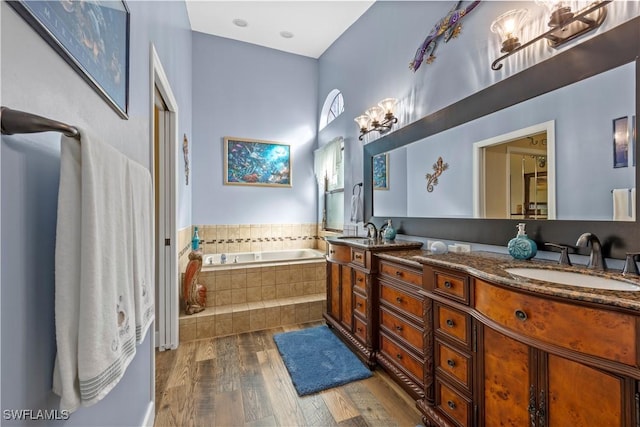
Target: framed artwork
<point>381,172</point>
<point>621,142</point>
<point>256,162</point>
<point>92,37</point>
<point>633,140</point>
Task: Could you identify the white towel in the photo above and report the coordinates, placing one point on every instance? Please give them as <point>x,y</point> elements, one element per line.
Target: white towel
<point>621,205</point>
<point>356,207</point>
<point>633,204</point>
<point>141,196</point>
<point>94,302</point>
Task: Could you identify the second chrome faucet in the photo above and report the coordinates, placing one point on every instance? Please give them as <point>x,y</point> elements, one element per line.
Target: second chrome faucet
<point>596,258</point>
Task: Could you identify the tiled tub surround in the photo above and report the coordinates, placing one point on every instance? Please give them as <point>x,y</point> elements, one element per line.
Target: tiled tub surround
<point>242,299</point>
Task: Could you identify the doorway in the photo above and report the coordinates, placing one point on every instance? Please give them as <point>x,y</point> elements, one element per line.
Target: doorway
<point>165,139</point>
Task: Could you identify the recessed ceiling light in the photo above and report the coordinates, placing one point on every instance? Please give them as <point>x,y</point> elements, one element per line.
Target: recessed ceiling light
<point>240,22</point>
<point>286,34</point>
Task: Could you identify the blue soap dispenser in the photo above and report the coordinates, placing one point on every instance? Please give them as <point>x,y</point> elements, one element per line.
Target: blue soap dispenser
<point>521,246</point>
<point>389,232</point>
<point>195,241</point>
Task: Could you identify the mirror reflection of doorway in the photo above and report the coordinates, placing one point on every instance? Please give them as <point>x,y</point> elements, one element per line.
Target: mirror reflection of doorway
<point>515,175</point>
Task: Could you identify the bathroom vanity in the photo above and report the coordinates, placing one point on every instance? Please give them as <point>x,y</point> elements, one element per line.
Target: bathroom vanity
<point>478,346</point>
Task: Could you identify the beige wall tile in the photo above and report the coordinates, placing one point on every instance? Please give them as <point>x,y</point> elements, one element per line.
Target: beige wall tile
<point>224,324</point>
<point>321,286</point>
<point>245,231</point>
<point>283,290</point>
<point>283,276</point>
<point>254,294</point>
<point>287,314</point>
<point>187,320</point>
<point>315,310</point>
<point>256,246</point>
<point>272,317</point>
<point>309,288</point>
<point>302,312</point>
<point>222,248</point>
<point>232,248</point>
<point>187,332</point>
<point>244,247</point>
<point>321,272</point>
<point>205,329</point>
<point>233,231</point>
<point>241,322</point>
<point>223,282</point>
<point>257,319</point>
<point>221,232</point>
<point>268,276</point>
<point>238,296</point>
<point>223,298</point>
<point>238,279</point>
<point>211,297</point>
<point>265,230</point>
<point>254,277</point>
<point>297,289</point>
<point>276,230</point>
<point>268,292</point>
<point>255,231</point>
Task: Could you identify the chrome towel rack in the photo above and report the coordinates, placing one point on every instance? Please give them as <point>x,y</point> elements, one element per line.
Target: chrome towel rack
<point>14,121</point>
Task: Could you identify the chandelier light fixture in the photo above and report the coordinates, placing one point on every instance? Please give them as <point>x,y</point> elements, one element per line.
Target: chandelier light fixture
<point>564,23</point>
<point>379,118</point>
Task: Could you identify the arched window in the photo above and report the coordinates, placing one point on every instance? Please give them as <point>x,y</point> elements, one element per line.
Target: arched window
<point>332,108</point>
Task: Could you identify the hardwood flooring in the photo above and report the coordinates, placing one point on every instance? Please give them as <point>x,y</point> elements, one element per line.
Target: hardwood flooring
<point>240,380</point>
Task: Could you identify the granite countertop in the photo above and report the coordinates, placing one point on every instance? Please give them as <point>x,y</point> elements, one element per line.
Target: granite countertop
<point>491,267</point>
<point>372,244</point>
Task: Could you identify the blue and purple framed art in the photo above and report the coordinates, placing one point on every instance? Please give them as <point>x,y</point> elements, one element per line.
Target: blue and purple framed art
<point>381,172</point>
<point>256,162</point>
<point>92,36</point>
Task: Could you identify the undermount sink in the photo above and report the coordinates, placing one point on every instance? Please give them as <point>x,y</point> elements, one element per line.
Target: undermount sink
<point>573,279</point>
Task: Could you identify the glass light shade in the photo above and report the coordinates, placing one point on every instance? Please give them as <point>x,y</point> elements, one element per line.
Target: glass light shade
<point>388,105</point>
<point>362,121</point>
<point>508,27</point>
<point>559,11</point>
<point>376,114</point>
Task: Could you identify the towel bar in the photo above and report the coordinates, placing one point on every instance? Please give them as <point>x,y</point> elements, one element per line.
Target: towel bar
<point>14,121</point>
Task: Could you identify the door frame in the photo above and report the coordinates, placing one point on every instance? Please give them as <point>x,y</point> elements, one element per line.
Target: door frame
<point>167,311</point>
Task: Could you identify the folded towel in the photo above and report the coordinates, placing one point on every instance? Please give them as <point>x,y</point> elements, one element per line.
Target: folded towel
<point>94,310</point>
<point>356,207</point>
<point>141,196</point>
<point>621,205</point>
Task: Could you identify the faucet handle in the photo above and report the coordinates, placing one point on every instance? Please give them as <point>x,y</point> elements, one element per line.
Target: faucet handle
<point>630,266</point>
<point>564,252</point>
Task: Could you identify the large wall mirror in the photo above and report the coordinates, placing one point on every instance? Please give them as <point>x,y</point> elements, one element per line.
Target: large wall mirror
<point>537,146</point>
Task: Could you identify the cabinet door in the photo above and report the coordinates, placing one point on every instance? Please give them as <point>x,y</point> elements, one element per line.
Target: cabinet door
<point>346,292</point>
<point>507,380</point>
<point>334,290</point>
<point>579,395</point>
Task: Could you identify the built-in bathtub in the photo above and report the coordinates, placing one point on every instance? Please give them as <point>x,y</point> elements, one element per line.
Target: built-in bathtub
<point>261,290</point>
<point>266,257</point>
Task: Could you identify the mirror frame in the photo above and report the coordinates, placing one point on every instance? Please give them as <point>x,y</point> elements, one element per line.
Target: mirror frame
<point>611,49</point>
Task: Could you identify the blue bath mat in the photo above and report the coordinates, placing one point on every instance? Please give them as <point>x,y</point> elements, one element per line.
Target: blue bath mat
<point>317,360</point>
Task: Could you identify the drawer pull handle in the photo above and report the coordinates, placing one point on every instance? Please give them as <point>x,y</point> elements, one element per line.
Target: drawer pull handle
<point>399,300</point>
<point>359,304</point>
<point>359,329</point>
<point>358,256</point>
<point>448,285</point>
<point>450,323</point>
<point>451,404</point>
<point>398,273</point>
<point>451,362</point>
<point>398,327</point>
<point>521,315</point>
<point>399,356</point>
<point>360,279</point>
<point>332,251</point>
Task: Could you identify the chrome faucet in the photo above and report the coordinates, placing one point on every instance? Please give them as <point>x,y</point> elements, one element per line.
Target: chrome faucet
<point>370,235</point>
<point>596,259</point>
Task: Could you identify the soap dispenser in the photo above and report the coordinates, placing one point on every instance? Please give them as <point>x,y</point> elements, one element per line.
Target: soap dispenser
<point>521,246</point>
<point>389,232</point>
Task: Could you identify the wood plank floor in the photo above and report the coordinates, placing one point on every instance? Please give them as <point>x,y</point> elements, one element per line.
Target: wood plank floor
<point>240,380</point>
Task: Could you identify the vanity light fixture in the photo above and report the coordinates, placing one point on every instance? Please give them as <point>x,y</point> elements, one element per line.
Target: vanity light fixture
<point>379,118</point>
<point>564,23</point>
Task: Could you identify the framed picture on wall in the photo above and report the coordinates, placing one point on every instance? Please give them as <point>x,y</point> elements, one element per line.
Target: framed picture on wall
<point>633,140</point>
<point>381,172</point>
<point>621,142</point>
<point>256,162</point>
<point>92,37</point>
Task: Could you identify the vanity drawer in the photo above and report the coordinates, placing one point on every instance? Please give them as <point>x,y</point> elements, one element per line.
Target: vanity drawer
<point>453,286</point>
<point>358,256</point>
<point>402,358</point>
<point>602,333</point>
<point>360,329</point>
<point>401,273</point>
<point>360,281</point>
<point>339,253</point>
<point>453,404</point>
<point>401,300</point>
<point>402,329</point>
<point>453,324</point>
<point>360,304</point>
<point>454,364</point>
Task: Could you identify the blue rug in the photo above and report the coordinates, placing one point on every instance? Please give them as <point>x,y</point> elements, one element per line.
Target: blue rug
<point>317,360</point>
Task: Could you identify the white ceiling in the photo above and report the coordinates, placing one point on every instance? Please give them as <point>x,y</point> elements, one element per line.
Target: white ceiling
<point>315,25</point>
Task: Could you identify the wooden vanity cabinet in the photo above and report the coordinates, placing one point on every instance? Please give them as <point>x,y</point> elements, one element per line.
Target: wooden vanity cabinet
<point>552,363</point>
<point>348,298</point>
<point>403,334</point>
<point>506,357</point>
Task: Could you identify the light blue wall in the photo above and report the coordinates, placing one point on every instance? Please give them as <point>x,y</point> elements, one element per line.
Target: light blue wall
<point>370,62</point>
<point>246,91</point>
<point>36,79</point>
